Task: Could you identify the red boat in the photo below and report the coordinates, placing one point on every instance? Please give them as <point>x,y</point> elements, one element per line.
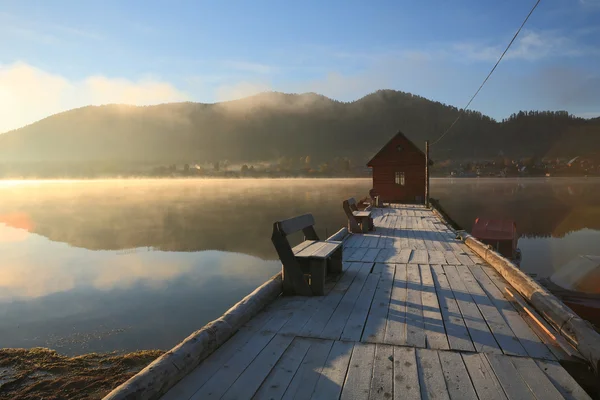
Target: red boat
<point>577,284</point>
<point>501,234</point>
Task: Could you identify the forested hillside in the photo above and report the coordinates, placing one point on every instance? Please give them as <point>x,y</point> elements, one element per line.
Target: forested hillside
<point>269,126</point>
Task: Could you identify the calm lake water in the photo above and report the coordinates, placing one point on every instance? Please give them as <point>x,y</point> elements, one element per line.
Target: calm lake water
<point>140,264</point>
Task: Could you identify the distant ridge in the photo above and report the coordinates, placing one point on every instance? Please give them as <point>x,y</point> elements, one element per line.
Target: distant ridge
<point>272,125</point>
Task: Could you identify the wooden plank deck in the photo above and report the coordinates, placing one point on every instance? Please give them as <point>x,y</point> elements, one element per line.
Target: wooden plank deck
<point>414,315</point>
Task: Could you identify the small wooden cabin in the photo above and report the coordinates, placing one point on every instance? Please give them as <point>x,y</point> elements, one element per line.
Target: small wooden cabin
<point>399,171</point>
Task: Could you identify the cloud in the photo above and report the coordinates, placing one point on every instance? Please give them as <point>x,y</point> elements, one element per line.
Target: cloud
<point>42,32</point>
<point>78,32</point>
<point>250,67</point>
<point>530,45</point>
<point>28,94</point>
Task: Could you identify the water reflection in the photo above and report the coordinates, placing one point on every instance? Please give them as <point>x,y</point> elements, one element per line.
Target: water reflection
<point>557,218</point>
<point>542,207</point>
<point>174,215</point>
<point>77,300</point>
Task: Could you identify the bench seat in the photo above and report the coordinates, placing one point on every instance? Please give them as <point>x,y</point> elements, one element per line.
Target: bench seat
<point>362,214</point>
<point>316,249</point>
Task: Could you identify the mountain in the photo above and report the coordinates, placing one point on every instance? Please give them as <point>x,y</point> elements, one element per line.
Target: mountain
<point>273,125</point>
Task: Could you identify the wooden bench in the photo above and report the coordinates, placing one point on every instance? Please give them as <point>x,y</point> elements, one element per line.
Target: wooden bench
<point>358,221</point>
<point>305,266</point>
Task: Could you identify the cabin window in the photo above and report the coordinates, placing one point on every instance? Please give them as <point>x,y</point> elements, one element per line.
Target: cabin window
<point>399,178</point>
<point>399,148</point>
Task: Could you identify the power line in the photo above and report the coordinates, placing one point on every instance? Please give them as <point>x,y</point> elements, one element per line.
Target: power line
<point>490,74</point>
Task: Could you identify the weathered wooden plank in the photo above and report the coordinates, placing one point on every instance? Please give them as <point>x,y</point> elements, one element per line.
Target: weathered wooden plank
<point>377,319</point>
<point>377,268</point>
<point>358,240</point>
<point>310,250</point>
<point>419,256</point>
<point>216,386</point>
<point>436,257</point>
<point>509,377</point>
<point>297,249</point>
<point>500,329</point>
<point>334,327</point>
<point>456,330</point>
<point>382,384</point>
<point>358,317</point>
<point>326,250</point>
<point>433,323</point>
<point>319,319</point>
<point>370,240</point>
<point>301,316</point>
<point>395,332</point>
<point>295,224</point>
<point>483,377</point>
<point>419,241</point>
<point>463,258</point>
<point>351,240</point>
<point>348,252</point>
<point>358,254</point>
<point>358,381</point>
<point>406,376</point>
<point>561,380</point>
<point>185,388</point>
<point>431,377</point>
<point>402,257</point>
<point>530,341</point>
<point>276,383</point>
<point>384,255</point>
<point>334,371</point>
<point>415,334</point>
<point>309,372</point>
<point>457,378</point>
<point>370,255</point>
<point>383,239</point>
<point>537,381</point>
<point>250,380</point>
<point>481,336</point>
<point>551,344</point>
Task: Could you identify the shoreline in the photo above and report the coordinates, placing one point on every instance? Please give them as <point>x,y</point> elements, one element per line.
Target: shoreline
<point>215,178</point>
<point>41,372</point>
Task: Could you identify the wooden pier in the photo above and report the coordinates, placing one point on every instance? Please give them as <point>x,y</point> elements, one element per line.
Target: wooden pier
<point>414,315</point>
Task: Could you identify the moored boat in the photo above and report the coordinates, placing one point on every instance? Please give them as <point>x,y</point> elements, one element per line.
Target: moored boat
<point>577,284</point>
<point>501,234</point>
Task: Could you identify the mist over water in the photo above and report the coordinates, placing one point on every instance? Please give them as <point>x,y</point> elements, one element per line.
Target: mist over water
<point>137,264</point>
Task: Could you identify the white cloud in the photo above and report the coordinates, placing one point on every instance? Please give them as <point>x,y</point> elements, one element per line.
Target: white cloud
<point>28,94</point>
<point>530,45</point>
<point>247,66</point>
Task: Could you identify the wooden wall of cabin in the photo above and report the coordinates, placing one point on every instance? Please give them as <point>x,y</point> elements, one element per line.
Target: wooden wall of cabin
<point>413,190</point>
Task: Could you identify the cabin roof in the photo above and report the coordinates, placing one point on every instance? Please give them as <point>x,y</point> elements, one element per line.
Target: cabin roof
<point>402,135</point>
<point>494,229</point>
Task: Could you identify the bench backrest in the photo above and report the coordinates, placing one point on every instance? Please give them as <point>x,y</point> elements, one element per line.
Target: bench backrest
<point>352,204</point>
<point>353,224</point>
<point>304,223</point>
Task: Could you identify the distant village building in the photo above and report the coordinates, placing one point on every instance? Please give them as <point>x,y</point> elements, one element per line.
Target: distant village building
<point>399,171</point>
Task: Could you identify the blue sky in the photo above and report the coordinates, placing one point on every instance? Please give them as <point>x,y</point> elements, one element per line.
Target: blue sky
<point>63,54</point>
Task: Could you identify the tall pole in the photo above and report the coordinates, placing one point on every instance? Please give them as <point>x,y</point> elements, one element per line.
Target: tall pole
<point>427,173</point>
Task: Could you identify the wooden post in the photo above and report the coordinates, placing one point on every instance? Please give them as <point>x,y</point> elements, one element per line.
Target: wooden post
<point>427,173</point>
